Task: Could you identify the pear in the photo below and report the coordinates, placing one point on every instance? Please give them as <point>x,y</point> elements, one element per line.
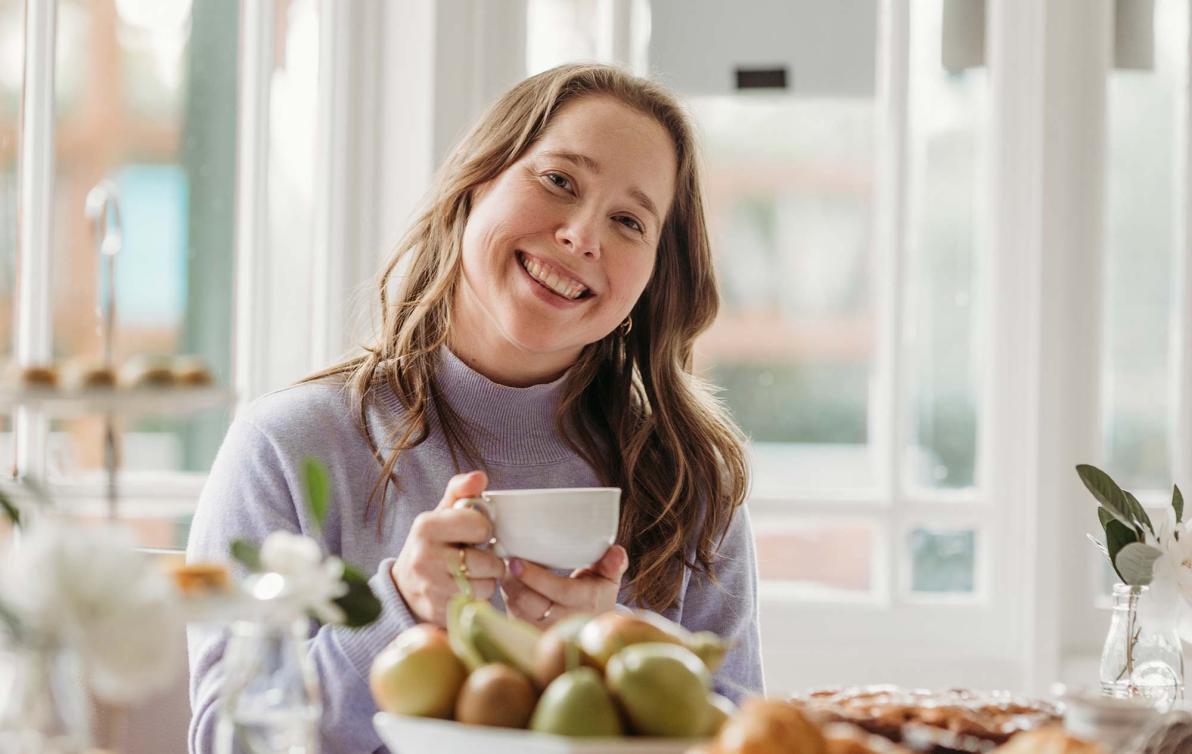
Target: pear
<point>577,704</point>
<point>460,644</point>
<point>610,632</point>
<point>496,695</point>
<point>496,637</point>
<point>417,674</point>
<point>557,651</point>
<point>720,709</point>
<point>662,687</point>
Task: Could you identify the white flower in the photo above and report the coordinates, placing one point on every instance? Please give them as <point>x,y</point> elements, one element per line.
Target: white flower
<point>1168,602</point>
<point>89,588</point>
<point>311,583</point>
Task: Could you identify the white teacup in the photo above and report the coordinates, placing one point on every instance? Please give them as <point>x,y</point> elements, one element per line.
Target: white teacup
<point>566,528</point>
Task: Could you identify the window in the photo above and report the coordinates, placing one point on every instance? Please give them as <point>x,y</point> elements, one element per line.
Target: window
<point>850,237</point>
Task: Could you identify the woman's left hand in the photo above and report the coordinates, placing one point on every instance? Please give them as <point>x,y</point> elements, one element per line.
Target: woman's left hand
<point>535,594</point>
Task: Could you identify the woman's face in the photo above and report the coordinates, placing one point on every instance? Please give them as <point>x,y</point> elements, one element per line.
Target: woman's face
<point>559,246</point>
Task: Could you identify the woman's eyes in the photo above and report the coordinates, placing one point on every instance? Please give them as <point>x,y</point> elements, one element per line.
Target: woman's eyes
<point>561,181</point>
<point>632,224</point>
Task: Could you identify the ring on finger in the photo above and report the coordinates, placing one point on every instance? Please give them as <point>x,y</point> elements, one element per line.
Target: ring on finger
<point>463,562</point>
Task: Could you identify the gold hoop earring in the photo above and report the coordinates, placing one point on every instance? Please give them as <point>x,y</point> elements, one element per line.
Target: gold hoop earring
<point>626,326</point>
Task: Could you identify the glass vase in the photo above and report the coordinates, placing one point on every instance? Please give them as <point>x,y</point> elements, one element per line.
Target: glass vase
<point>1140,660</point>
<point>269,703</point>
<point>44,707</point>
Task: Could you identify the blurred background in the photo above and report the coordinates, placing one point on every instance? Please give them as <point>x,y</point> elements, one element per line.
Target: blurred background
<point>951,237</point>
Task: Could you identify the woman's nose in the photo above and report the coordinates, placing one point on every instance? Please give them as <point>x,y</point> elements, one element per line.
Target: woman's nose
<point>580,234</point>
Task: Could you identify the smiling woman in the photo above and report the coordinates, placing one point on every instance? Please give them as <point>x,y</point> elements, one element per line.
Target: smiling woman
<point>560,246</point>
<point>541,333</point>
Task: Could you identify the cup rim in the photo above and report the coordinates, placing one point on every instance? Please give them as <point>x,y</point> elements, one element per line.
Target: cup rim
<point>550,491</point>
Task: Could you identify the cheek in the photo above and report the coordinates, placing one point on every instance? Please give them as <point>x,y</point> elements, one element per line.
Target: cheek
<point>631,278</point>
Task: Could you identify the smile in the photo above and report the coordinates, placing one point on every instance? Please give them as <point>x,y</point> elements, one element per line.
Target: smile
<point>552,278</point>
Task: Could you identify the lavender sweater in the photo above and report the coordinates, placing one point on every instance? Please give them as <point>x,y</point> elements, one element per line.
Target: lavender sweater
<point>255,488</point>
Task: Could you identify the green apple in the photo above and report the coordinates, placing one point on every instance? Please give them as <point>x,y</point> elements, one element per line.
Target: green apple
<point>417,674</point>
<point>663,688</point>
<point>577,704</point>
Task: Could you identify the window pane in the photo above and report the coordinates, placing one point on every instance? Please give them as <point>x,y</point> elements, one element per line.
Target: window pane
<point>560,31</point>
<point>946,130</point>
<point>789,187</point>
<point>1140,244</point>
<point>147,99</point>
<point>942,559</point>
<point>816,558</point>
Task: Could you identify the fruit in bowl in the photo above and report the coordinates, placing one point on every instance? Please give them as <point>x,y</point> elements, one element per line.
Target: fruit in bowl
<point>418,674</point>
<point>616,674</point>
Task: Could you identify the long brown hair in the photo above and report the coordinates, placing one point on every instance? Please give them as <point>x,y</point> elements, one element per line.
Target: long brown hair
<point>632,406</point>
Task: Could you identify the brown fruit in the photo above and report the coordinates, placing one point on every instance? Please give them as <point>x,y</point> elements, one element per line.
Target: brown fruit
<point>609,633</point>
<point>417,674</point>
<point>770,727</point>
<point>556,643</point>
<point>496,695</point>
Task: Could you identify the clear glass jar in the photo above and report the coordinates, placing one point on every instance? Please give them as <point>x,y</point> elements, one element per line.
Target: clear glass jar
<point>1137,660</point>
<point>44,707</point>
<point>269,702</point>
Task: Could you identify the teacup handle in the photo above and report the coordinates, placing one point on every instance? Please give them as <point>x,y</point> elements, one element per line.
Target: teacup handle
<point>482,505</point>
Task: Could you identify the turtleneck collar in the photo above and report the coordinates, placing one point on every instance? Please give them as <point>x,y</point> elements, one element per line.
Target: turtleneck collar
<point>508,425</point>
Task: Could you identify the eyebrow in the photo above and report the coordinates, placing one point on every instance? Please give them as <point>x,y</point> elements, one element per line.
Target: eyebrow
<point>582,159</point>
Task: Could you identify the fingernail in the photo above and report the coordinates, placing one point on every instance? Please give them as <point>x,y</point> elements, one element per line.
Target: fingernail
<point>515,567</point>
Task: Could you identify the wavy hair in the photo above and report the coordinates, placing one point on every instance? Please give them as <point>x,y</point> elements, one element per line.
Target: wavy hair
<point>632,406</point>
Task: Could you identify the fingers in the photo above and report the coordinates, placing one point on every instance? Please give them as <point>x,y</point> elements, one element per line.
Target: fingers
<point>562,590</point>
<point>480,564</point>
<point>453,526</point>
<point>523,602</point>
<point>463,485</point>
<point>611,566</point>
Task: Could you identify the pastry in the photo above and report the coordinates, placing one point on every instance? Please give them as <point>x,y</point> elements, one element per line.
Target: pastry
<point>147,371</point>
<point>843,738</point>
<point>190,371</point>
<point>768,726</point>
<point>1050,740</point>
<point>943,722</point>
<point>194,579</point>
<point>32,376</point>
<point>87,375</point>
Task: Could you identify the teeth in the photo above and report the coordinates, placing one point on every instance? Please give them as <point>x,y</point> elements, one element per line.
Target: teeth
<point>564,287</point>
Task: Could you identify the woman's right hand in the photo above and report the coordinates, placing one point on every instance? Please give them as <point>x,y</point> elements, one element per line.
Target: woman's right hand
<point>423,570</point>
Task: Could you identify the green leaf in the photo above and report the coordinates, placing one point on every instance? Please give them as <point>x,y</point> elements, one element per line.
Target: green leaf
<point>10,509</point>
<point>1177,503</point>
<point>1139,513</point>
<point>1117,536</point>
<point>247,553</point>
<point>1104,516</point>
<point>1136,563</point>
<point>1106,491</point>
<point>318,489</point>
<point>360,605</point>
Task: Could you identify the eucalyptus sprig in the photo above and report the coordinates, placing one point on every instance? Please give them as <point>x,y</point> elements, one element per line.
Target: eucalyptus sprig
<point>1130,550</point>
<point>359,605</point>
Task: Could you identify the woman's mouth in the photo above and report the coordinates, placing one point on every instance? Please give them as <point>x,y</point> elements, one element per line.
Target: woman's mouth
<point>552,278</point>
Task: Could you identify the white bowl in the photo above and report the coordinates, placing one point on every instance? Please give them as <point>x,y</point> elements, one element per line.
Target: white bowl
<point>423,735</point>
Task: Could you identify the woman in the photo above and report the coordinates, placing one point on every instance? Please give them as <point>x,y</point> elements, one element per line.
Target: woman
<point>541,336</point>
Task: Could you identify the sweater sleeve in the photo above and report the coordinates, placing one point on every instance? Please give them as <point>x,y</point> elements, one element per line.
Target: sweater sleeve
<point>728,607</point>
<point>248,495</point>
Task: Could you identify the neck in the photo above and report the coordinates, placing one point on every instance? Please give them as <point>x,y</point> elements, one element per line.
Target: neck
<point>475,341</point>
